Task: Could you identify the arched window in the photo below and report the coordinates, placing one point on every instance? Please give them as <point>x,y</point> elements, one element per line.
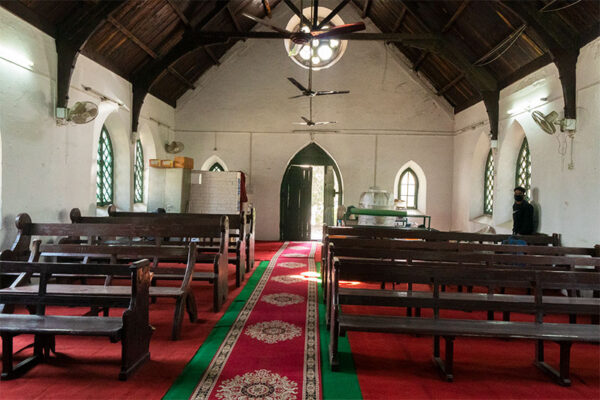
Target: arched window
<point>216,167</point>
<point>138,174</point>
<point>409,188</point>
<point>488,185</point>
<point>523,174</point>
<point>104,178</point>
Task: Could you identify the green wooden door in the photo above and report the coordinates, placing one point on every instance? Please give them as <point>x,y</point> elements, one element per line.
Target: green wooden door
<point>295,203</point>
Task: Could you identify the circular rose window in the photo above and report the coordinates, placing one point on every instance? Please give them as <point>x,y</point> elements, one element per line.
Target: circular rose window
<point>323,53</point>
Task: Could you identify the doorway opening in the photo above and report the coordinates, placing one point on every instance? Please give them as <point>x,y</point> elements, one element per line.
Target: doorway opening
<point>311,193</point>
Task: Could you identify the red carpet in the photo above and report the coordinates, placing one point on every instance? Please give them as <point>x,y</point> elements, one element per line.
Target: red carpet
<point>271,350</point>
<point>392,366</point>
<point>88,367</point>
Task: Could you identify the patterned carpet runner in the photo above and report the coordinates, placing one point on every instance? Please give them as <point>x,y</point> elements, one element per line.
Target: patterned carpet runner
<point>272,349</point>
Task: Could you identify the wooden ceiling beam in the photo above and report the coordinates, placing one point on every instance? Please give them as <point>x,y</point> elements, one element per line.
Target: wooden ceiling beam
<point>333,13</point>
<point>131,36</point>
<point>192,40</point>
<point>71,36</point>
<point>365,10</point>
<point>179,12</point>
<point>455,16</point>
<point>562,44</point>
<point>400,20</point>
<point>420,60</point>
<point>296,11</point>
<point>212,55</point>
<point>450,84</point>
<point>315,14</point>
<point>181,78</point>
<point>236,23</point>
<point>22,11</point>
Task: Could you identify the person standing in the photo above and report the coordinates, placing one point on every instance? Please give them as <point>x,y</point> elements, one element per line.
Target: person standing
<point>522,214</point>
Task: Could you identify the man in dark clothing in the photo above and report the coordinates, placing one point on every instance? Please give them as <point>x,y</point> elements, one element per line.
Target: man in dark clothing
<point>522,214</point>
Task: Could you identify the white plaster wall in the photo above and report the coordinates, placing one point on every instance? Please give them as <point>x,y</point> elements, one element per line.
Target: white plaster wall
<point>244,104</point>
<point>49,169</point>
<point>568,198</point>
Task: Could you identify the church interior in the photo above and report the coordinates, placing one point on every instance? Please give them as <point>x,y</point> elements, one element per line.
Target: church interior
<point>300,199</point>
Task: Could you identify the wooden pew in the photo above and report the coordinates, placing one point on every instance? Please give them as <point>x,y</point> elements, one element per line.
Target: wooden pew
<point>419,253</point>
<point>94,248</point>
<point>238,248</point>
<point>494,277</point>
<point>132,328</point>
<point>369,232</point>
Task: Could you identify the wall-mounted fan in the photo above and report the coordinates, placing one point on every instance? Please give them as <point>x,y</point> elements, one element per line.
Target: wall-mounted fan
<point>174,147</point>
<point>81,112</point>
<point>549,121</point>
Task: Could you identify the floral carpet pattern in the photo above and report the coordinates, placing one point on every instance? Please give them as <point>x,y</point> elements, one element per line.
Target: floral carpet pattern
<point>272,349</point>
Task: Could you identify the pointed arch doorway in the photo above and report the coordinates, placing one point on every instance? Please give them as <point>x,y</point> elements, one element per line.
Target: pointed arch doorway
<point>311,192</point>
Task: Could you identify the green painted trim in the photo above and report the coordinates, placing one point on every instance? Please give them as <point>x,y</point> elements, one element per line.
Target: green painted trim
<point>184,385</point>
<point>414,175</point>
<point>342,384</point>
<point>216,167</point>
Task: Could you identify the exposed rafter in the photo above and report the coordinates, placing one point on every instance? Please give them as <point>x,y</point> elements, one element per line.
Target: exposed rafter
<point>562,44</point>
<point>451,84</point>
<point>333,13</point>
<point>192,40</point>
<point>179,12</point>
<point>296,11</point>
<point>365,10</point>
<point>71,35</point>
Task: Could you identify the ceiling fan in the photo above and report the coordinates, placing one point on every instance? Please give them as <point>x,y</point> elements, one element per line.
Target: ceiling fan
<point>312,93</point>
<point>309,121</point>
<point>307,33</point>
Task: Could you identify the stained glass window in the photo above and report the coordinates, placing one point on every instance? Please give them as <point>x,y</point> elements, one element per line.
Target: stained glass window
<point>488,185</point>
<point>104,178</point>
<point>216,167</point>
<point>409,188</point>
<point>523,175</point>
<point>138,174</point>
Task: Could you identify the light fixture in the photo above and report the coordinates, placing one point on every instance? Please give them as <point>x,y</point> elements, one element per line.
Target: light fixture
<point>333,43</point>
<point>15,57</point>
<point>305,53</point>
<point>316,60</point>
<point>325,52</point>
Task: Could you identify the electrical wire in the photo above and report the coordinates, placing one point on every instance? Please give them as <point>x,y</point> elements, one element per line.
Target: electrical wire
<point>545,8</point>
<point>507,43</point>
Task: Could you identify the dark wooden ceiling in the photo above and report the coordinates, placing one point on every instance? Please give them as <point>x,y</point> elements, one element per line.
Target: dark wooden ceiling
<point>141,32</point>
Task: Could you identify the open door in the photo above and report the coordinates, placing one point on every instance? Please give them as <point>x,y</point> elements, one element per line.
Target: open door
<point>329,196</point>
<point>296,193</point>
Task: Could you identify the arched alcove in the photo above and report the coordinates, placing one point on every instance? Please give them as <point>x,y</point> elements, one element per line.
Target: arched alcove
<point>505,173</point>
<point>422,186</point>
<point>477,176</point>
<point>116,122</point>
<point>150,152</point>
<point>214,159</point>
<point>296,196</point>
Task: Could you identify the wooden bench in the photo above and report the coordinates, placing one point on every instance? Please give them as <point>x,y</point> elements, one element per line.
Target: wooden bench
<point>340,234</point>
<point>132,329</point>
<point>449,328</point>
<point>418,253</point>
<point>129,250</point>
<point>241,246</point>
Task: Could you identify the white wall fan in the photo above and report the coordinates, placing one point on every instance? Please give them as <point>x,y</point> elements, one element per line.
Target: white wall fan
<point>174,147</point>
<point>81,112</point>
<point>549,122</point>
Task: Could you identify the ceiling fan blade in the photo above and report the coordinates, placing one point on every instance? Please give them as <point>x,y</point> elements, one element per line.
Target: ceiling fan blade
<point>326,92</point>
<point>298,96</point>
<point>297,84</point>
<point>306,120</point>
<point>336,30</point>
<point>299,123</point>
<point>266,23</point>
<point>325,122</point>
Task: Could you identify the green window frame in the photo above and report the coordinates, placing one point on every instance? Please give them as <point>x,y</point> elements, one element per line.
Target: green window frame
<point>523,170</point>
<point>105,173</point>
<point>216,167</point>
<point>138,173</point>
<point>408,189</point>
<point>488,185</point>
